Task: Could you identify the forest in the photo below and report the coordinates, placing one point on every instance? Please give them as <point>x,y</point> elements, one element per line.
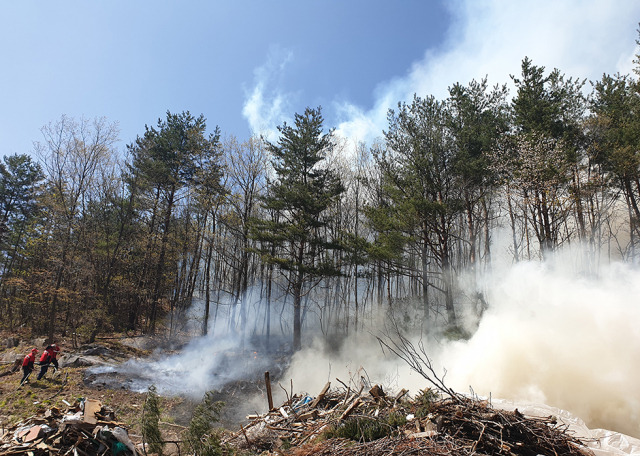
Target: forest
<point>274,239</point>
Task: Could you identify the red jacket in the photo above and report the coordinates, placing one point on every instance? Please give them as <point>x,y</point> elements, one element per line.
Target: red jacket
<point>46,356</point>
<point>29,360</point>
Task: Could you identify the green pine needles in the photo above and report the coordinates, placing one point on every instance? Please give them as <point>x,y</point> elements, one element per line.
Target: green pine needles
<point>150,422</point>
<point>201,436</point>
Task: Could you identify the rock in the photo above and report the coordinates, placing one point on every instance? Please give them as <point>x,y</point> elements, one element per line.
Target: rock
<point>96,350</point>
<point>80,361</point>
<point>11,342</point>
<point>39,343</point>
<point>10,356</point>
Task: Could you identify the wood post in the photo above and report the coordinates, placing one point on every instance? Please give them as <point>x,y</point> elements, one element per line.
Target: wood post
<point>267,382</point>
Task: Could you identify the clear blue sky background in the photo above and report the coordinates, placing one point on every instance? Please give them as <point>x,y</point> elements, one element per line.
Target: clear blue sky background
<point>249,65</point>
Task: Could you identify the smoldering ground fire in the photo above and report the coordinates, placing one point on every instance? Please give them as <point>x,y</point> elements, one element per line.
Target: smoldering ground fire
<point>550,335</point>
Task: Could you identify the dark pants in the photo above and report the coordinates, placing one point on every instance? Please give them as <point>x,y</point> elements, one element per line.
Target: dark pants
<point>25,373</point>
<point>43,371</point>
<point>45,367</point>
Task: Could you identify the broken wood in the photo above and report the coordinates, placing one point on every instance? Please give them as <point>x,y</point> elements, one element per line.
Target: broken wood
<point>349,409</point>
<point>422,435</point>
<point>267,382</point>
<point>377,392</point>
<point>320,396</point>
<point>245,435</point>
<point>469,424</point>
<point>400,395</point>
<point>313,414</point>
<point>54,431</point>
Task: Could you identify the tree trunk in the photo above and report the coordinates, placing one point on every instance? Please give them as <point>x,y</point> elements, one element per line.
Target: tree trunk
<point>207,280</point>
<point>297,304</point>
<point>160,266</point>
<point>425,273</point>
<point>297,300</point>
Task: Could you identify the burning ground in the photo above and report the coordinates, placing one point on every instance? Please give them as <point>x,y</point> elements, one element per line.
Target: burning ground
<point>550,336</point>
<point>119,370</point>
<point>347,420</point>
<point>553,334</point>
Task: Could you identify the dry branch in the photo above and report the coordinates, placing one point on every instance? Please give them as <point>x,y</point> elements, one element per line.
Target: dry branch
<point>416,357</point>
<point>452,426</point>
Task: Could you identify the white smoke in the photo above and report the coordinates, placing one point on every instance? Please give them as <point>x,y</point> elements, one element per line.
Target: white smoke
<point>583,39</point>
<point>227,355</point>
<point>554,333</point>
<point>267,104</point>
<point>560,338</point>
<point>550,336</point>
<point>488,38</point>
<point>205,364</point>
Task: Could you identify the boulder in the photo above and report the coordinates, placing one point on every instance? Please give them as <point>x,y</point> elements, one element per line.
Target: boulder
<point>96,350</point>
<point>10,342</point>
<point>81,361</point>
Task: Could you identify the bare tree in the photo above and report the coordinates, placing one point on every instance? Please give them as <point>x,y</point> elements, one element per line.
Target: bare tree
<point>72,154</point>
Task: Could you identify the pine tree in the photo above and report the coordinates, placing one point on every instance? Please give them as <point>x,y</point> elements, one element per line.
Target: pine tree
<point>201,436</point>
<point>303,191</point>
<point>150,421</point>
<point>422,187</point>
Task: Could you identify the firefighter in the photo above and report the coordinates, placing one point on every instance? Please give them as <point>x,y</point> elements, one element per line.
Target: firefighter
<point>48,357</point>
<point>55,349</point>
<point>27,365</point>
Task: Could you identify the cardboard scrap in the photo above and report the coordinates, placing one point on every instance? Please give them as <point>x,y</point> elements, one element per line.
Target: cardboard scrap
<point>33,434</point>
<point>91,407</point>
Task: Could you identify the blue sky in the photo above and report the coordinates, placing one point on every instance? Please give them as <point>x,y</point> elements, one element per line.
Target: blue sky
<point>250,65</point>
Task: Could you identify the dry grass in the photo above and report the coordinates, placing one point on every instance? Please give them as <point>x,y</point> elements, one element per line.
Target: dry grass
<point>35,397</point>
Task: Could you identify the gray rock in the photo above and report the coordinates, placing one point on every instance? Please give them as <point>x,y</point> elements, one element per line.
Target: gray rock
<point>96,350</point>
<point>11,342</point>
<point>39,343</point>
<point>81,361</point>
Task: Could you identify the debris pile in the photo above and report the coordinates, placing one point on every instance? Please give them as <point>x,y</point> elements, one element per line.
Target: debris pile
<point>352,422</point>
<point>84,428</point>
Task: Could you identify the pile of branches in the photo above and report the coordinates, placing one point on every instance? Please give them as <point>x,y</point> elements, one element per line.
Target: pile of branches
<point>349,423</point>
<point>437,421</point>
<point>477,428</point>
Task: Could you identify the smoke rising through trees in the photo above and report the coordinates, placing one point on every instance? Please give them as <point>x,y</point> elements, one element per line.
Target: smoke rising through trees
<point>314,238</point>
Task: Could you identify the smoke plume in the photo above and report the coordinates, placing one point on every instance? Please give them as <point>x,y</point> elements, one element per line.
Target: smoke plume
<point>551,335</point>
<point>554,333</point>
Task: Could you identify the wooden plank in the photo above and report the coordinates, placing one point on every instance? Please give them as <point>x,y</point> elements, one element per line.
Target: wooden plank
<point>315,402</point>
<point>400,394</point>
<point>33,434</point>
<point>117,423</point>
<point>312,415</point>
<point>349,409</point>
<point>422,435</point>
